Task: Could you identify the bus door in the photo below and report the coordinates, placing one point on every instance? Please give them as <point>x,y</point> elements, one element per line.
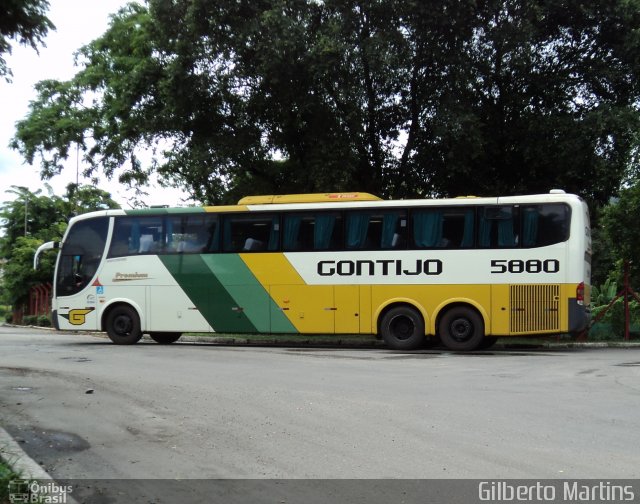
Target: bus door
<point>347,309</point>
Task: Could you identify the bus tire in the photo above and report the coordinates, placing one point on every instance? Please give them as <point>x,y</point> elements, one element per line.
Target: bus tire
<point>461,328</point>
<point>123,325</point>
<point>402,328</point>
<point>165,338</point>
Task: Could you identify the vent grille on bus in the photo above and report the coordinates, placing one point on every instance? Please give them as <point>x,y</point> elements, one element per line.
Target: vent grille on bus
<point>534,308</point>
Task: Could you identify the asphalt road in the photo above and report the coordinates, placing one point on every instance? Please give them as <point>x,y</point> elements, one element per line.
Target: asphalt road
<point>85,408</point>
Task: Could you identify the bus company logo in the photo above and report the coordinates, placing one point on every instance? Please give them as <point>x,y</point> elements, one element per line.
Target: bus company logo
<point>384,267</point>
<point>128,277</point>
<point>77,316</point>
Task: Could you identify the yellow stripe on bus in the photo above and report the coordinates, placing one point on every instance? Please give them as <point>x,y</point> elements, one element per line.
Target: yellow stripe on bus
<point>272,269</point>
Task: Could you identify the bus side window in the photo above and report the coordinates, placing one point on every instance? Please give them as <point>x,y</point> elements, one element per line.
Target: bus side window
<point>193,234</point>
<point>358,227</point>
<point>499,227</point>
<point>120,241</point>
<point>212,227</point>
<point>393,234</point>
<point>545,224</point>
<point>251,233</point>
<point>311,231</point>
<point>297,232</point>
<point>443,228</point>
<point>376,231</point>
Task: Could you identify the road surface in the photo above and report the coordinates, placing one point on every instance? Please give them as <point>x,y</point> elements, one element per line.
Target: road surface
<point>85,408</point>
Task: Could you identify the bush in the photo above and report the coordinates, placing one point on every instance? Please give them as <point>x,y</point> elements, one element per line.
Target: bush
<point>36,320</point>
<point>614,321</point>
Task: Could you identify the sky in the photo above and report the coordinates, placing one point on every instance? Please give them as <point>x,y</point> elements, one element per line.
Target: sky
<point>77,22</point>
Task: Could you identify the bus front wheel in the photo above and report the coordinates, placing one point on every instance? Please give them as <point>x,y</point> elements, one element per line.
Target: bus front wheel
<point>461,328</point>
<point>123,325</point>
<point>165,338</point>
<point>402,328</point>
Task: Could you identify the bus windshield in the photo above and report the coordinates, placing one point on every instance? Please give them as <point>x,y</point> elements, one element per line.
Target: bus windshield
<point>80,255</point>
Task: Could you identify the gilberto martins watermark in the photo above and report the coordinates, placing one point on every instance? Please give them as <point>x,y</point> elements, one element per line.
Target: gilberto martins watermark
<point>22,491</point>
<point>562,491</point>
<point>326,491</point>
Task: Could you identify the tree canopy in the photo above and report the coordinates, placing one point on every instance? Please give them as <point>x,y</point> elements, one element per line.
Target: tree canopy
<point>399,98</point>
<point>25,22</point>
<point>620,229</point>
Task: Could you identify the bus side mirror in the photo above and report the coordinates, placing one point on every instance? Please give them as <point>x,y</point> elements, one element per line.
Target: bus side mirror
<point>45,246</point>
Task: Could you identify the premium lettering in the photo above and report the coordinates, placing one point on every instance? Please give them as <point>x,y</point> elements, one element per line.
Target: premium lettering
<point>124,277</point>
<point>383,267</point>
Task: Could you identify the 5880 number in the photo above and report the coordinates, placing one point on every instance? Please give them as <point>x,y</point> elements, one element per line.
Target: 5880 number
<point>529,266</point>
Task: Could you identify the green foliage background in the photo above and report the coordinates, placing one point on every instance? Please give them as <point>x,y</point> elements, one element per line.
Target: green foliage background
<point>399,98</point>
<point>31,219</point>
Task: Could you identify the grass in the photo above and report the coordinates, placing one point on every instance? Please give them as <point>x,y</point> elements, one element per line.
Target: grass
<point>7,474</point>
<point>4,310</point>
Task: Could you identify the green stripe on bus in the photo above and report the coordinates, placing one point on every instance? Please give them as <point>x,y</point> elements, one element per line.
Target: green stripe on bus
<point>206,291</point>
<point>227,293</point>
<point>249,294</point>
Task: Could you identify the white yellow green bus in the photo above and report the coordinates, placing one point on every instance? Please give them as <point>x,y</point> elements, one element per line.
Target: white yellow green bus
<point>462,271</point>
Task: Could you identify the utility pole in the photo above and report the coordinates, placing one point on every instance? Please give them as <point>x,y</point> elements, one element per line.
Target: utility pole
<point>26,213</point>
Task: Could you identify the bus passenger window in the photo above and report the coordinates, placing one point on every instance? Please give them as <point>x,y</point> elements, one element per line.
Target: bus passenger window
<point>306,232</point>
<point>249,233</point>
<point>358,227</point>
<point>443,228</point>
<point>545,224</point>
<point>393,230</point>
<point>499,227</point>
<point>427,228</point>
<point>138,235</point>
<point>192,234</point>
<point>376,230</point>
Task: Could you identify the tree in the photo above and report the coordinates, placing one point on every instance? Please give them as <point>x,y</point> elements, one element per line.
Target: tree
<point>24,21</point>
<point>620,228</point>
<point>31,219</point>
<point>400,98</point>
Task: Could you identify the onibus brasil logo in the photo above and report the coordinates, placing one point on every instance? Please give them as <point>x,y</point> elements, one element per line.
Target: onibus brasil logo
<point>22,491</point>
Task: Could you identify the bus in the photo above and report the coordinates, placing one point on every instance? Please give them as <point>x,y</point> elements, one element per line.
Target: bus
<point>461,272</point>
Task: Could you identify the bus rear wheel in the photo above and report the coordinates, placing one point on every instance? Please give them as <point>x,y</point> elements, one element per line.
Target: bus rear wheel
<point>402,328</point>
<point>123,325</point>
<point>461,328</point>
<point>165,338</point>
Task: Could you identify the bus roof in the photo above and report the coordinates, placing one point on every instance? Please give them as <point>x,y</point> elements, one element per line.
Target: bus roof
<point>339,200</point>
<point>308,198</point>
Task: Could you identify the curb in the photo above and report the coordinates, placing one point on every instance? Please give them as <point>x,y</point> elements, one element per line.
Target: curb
<point>12,453</point>
<point>28,469</point>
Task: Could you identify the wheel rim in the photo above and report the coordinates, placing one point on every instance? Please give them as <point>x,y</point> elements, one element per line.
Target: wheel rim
<point>122,325</point>
<point>461,329</point>
<point>402,327</point>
